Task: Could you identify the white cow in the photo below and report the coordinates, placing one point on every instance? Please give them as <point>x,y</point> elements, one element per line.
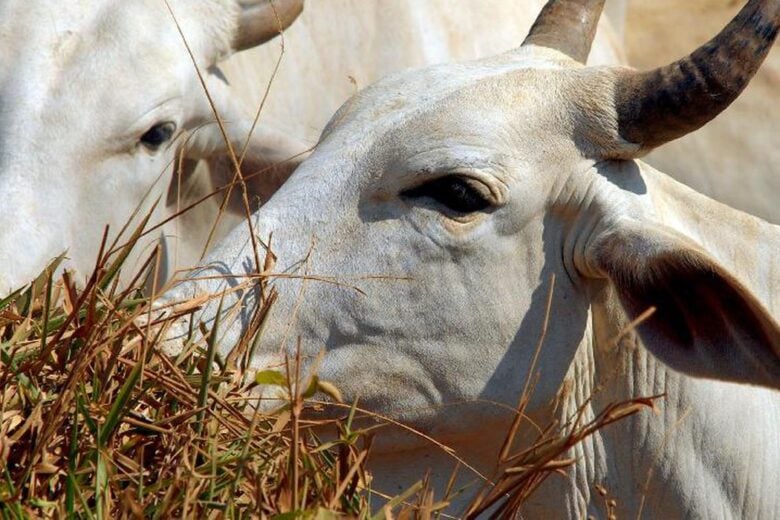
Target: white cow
<point>94,96</point>
<point>84,85</point>
<point>453,195</point>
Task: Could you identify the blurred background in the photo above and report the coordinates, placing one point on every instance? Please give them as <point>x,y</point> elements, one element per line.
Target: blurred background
<point>736,157</point>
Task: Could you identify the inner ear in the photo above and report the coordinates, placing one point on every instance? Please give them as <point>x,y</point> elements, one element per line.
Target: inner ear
<point>683,289</point>
<point>706,323</point>
<point>267,158</point>
<point>263,177</point>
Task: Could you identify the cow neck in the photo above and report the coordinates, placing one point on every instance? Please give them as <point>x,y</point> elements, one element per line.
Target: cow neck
<point>652,464</point>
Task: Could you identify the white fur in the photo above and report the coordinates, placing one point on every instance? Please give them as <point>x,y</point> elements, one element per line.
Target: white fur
<point>78,78</point>
<point>451,309</point>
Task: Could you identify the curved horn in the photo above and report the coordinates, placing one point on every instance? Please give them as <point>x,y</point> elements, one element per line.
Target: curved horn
<point>567,26</point>
<point>658,106</point>
<point>261,20</point>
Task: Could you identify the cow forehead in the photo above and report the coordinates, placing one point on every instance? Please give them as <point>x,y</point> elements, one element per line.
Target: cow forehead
<point>405,95</point>
<point>45,37</point>
<point>455,107</point>
<point>26,23</point>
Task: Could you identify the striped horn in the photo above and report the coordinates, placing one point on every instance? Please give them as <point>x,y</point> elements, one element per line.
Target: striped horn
<point>567,26</point>
<point>658,106</point>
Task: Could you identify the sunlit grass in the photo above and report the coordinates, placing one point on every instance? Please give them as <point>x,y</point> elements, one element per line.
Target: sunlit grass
<point>99,422</point>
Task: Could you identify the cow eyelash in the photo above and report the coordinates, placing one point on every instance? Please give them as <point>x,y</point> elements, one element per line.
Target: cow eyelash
<point>455,192</point>
<point>158,135</point>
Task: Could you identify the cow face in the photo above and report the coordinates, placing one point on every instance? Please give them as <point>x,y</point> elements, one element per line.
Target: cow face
<point>448,213</point>
<point>95,100</point>
<point>427,213</point>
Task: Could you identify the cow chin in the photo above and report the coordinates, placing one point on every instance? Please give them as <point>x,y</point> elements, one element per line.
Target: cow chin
<point>398,388</point>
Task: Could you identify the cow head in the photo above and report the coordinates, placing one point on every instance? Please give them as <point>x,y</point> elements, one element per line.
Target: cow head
<point>95,100</point>
<point>455,197</point>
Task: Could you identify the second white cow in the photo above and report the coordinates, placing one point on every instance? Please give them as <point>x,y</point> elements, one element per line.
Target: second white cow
<point>95,100</point>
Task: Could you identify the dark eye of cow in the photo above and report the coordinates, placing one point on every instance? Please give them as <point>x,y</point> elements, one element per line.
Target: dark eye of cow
<point>158,135</point>
<point>455,192</point>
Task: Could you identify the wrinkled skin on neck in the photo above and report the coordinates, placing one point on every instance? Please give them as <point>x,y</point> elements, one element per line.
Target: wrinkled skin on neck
<point>692,458</point>
<point>451,306</point>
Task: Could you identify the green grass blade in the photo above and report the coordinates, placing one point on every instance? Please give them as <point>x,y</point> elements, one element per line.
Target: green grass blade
<point>205,382</point>
<point>70,489</point>
<point>117,264</point>
<point>119,408</point>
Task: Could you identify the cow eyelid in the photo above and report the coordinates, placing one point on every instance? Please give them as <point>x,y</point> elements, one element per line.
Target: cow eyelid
<point>455,192</point>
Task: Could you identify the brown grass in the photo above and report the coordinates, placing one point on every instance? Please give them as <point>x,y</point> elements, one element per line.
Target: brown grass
<point>97,422</point>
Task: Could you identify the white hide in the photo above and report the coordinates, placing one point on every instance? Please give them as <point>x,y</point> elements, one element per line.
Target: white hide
<point>452,305</point>
<point>81,80</point>
<point>80,84</point>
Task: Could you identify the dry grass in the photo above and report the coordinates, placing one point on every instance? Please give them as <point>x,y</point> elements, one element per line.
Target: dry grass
<point>97,422</point>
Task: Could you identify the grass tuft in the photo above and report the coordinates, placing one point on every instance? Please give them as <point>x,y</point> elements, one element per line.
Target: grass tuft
<point>97,421</point>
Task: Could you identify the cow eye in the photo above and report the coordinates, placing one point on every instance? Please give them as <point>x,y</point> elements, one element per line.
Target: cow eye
<point>455,192</point>
<point>158,135</point>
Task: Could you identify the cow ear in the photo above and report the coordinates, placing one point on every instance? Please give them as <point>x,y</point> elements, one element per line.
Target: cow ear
<point>267,155</point>
<point>262,20</point>
<point>270,157</point>
<point>706,323</point>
